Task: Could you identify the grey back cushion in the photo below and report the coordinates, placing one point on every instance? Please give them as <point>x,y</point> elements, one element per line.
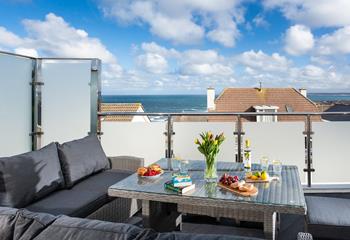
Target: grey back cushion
<point>81,158</point>
<point>29,176</point>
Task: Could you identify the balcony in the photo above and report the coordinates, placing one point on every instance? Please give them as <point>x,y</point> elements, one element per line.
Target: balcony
<point>57,100</point>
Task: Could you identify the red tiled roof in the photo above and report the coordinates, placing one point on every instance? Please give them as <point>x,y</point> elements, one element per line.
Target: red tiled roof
<point>244,99</point>
<point>119,107</point>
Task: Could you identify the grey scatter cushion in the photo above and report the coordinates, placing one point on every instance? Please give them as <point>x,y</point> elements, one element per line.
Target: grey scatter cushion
<point>29,176</point>
<point>81,158</point>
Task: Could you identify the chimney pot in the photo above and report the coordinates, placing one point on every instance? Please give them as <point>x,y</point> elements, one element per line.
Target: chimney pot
<point>210,99</point>
<point>303,91</point>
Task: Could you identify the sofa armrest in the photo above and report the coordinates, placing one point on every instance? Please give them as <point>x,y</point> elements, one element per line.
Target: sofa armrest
<point>126,163</point>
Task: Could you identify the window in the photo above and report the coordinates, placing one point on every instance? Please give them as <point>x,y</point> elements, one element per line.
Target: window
<point>289,108</point>
<point>266,109</point>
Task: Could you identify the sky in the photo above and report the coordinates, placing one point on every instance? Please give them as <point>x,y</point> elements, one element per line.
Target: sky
<point>185,46</point>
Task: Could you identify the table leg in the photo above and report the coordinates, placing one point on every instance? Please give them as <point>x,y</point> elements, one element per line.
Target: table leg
<point>271,220</point>
<point>162,217</point>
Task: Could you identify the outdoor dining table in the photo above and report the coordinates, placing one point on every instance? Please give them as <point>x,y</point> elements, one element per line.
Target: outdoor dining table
<point>162,208</point>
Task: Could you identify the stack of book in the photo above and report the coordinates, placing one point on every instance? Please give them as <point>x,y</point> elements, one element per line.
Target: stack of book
<point>180,183</point>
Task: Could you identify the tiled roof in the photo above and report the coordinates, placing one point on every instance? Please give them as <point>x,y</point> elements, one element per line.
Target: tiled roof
<point>244,100</point>
<point>120,107</point>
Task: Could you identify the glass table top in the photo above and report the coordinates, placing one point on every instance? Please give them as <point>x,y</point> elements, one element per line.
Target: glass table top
<point>287,191</point>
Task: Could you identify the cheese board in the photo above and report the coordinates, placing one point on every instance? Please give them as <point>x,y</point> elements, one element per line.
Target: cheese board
<point>251,193</point>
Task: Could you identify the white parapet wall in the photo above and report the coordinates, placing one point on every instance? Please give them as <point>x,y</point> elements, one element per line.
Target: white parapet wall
<point>139,139</point>
<point>283,141</point>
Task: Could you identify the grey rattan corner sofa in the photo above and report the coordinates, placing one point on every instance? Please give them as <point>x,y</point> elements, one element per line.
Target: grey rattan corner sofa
<point>70,179</point>
<point>21,224</point>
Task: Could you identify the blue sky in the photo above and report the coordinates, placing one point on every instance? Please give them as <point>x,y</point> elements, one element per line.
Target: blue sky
<point>186,46</point>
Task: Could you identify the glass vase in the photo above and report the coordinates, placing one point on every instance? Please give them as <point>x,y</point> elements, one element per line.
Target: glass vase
<point>210,174</point>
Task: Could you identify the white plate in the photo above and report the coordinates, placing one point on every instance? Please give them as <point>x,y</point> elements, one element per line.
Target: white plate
<point>152,177</point>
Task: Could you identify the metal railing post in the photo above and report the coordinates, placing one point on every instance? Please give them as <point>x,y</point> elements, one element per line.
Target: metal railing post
<point>308,149</point>
<point>95,96</point>
<point>239,134</point>
<point>36,104</point>
<point>169,142</point>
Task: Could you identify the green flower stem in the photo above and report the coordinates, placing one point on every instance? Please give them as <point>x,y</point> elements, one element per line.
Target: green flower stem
<point>210,171</point>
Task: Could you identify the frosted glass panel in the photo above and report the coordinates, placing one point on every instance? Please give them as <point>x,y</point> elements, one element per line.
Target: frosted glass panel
<point>146,140</point>
<point>65,100</point>
<point>282,141</point>
<point>331,152</point>
<point>187,132</point>
<point>15,104</point>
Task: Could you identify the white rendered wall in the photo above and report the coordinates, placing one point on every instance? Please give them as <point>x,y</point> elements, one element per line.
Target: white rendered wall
<point>331,152</point>
<point>65,100</point>
<point>187,132</point>
<point>137,139</point>
<point>15,104</point>
<point>282,141</point>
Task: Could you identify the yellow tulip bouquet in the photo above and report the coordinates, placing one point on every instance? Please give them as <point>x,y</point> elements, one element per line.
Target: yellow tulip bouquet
<point>209,146</point>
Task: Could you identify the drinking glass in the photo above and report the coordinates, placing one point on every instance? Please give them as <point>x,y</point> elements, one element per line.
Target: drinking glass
<point>277,167</point>
<point>176,164</point>
<point>264,163</point>
<point>184,166</point>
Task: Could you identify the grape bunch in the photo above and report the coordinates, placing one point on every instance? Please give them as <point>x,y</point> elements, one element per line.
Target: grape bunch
<point>227,179</point>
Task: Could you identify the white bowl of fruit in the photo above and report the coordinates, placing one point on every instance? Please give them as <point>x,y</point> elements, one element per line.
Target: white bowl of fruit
<point>152,171</point>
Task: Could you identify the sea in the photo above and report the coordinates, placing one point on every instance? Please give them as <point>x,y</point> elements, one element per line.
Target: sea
<point>193,103</point>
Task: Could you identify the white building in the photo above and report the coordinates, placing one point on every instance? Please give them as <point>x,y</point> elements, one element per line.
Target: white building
<point>123,107</point>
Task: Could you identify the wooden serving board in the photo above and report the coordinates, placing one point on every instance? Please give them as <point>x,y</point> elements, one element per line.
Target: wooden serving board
<point>248,180</point>
<point>251,193</point>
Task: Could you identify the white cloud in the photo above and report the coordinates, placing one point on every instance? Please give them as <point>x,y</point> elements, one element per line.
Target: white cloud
<point>260,21</point>
<point>312,72</point>
<point>337,42</point>
<point>27,52</point>
<point>185,21</point>
<point>299,40</point>
<point>153,47</point>
<point>258,60</point>
<point>226,31</point>
<point>153,63</point>
<point>314,13</point>
<point>55,37</point>
<point>8,38</point>
<point>204,62</point>
<point>194,62</point>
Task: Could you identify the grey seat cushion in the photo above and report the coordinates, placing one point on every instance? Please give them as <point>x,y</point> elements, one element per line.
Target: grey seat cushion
<point>29,176</point>
<point>8,217</point>
<point>83,199</point>
<point>328,217</point>
<point>67,228</point>
<point>81,158</point>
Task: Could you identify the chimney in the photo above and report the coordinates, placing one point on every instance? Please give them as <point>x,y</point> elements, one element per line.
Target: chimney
<point>210,99</point>
<point>303,91</point>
